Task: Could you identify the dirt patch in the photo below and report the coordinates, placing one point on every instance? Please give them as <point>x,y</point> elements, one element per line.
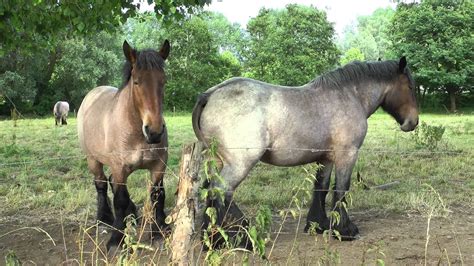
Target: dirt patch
<point>395,239</point>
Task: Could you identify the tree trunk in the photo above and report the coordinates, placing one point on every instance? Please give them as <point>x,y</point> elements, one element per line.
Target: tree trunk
<point>186,204</point>
<point>419,96</point>
<point>43,84</point>
<point>452,99</point>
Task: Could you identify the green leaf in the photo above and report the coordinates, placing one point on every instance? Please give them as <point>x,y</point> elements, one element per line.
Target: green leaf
<point>81,26</point>
<point>223,234</point>
<point>212,214</point>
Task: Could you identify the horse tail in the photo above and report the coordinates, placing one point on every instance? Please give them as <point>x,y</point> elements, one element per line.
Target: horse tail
<point>196,118</point>
<point>201,103</point>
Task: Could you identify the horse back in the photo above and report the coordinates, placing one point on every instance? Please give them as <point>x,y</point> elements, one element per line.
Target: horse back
<point>61,108</point>
<point>296,124</point>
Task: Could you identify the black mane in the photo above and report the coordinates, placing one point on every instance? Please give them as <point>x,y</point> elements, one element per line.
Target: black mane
<point>358,72</point>
<point>148,59</point>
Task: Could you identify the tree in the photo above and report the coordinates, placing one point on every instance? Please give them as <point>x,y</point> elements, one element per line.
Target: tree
<point>437,38</point>
<point>81,65</point>
<point>290,46</point>
<point>196,63</point>
<point>19,77</point>
<point>32,34</point>
<point>353,54</point>
<point>369,35</point>
<point>31,24</point>
<point>228,37</point>
<point>200,57</point>
<point>15,88</point>
<point>85,64</point>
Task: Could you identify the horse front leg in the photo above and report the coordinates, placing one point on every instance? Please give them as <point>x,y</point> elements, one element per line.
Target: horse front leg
<point>123,206</point>
<point>345,162</point>
<point>157,197</point>
<point>104,213</point>
<point>317,212</point>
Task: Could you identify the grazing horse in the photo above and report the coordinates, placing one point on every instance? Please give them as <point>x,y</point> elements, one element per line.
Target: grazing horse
<point>324,121</point>
<point>125,130</point>
<point>60,111</point>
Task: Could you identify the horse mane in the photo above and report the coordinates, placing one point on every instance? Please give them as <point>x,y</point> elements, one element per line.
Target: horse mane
<point>147,59</point>
<point>359,72</point>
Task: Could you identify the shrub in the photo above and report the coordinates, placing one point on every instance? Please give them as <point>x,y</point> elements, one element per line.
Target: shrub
<point>428,136</point>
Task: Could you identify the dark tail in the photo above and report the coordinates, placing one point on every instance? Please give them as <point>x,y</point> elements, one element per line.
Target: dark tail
<point>196,118</point>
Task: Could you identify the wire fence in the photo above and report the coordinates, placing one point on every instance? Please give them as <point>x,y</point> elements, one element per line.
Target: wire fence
<point>122,154</point>
<point>288,224</point>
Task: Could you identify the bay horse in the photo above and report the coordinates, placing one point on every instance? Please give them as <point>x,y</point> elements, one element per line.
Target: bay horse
<point>60,112</point>
<point>324,121</point>
<point>125,130</point>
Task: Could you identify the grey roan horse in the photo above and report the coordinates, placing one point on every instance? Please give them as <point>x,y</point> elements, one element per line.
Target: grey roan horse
<point>324,121</point>
<point>60,111</point>
<point>125,130</point>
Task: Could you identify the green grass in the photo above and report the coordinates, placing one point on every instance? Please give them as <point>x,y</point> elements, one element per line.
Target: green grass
<point>42,169</point>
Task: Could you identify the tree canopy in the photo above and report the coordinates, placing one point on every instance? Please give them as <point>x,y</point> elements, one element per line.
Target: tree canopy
<point>369,35</point>
<point>438,39</point>
<point>29,24</point>
<point>59,50</point>
<point>290,46</point>
<point>353,54</point>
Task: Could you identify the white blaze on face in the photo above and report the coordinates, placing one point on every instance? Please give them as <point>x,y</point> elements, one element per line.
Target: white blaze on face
<point>144,131</point>
<point>146,122</point>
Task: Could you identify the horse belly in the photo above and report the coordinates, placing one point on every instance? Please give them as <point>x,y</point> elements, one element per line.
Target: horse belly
<point>292,157</point>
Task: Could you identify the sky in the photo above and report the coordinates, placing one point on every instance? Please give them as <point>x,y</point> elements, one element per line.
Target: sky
<point>341,12</point>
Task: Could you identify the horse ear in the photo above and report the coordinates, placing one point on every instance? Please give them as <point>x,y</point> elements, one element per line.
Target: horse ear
<point>165,50</point>
<point>402,64</point>
<point>129,52</point>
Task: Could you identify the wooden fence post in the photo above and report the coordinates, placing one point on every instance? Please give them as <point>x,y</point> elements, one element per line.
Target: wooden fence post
<point>186,205</point>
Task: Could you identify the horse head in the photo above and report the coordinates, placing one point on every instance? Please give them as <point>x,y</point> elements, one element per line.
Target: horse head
<point>147,82</point>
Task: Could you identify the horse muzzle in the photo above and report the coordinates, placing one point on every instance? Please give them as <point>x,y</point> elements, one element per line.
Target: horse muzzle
<point>409,125</point>
<point>151,136</point>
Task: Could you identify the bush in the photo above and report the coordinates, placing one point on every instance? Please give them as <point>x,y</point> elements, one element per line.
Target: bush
<point>427,136</point>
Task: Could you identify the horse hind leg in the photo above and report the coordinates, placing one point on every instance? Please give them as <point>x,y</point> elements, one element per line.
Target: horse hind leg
<point>228,214</point>
<point>317,212</point>
<point>344,164</point>
<point>104,213</point>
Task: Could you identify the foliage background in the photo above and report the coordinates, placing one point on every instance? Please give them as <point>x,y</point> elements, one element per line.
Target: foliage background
<point>63,51</point>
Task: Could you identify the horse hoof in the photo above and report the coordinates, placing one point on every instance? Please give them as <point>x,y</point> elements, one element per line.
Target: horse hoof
<point>115,240</point>
<point>349,232</point>
<point>112,250</point>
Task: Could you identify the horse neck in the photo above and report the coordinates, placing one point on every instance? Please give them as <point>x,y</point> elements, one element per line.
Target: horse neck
<point>371,95</point>
<point>125,109</point>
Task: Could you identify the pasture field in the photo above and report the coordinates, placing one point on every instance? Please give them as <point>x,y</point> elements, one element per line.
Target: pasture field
<point>47,197</point>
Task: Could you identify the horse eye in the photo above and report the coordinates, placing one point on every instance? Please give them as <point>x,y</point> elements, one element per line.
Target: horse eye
<point>135,82</point>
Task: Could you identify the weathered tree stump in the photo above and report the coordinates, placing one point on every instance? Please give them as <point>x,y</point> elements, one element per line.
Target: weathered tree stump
<point>186,205</point>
